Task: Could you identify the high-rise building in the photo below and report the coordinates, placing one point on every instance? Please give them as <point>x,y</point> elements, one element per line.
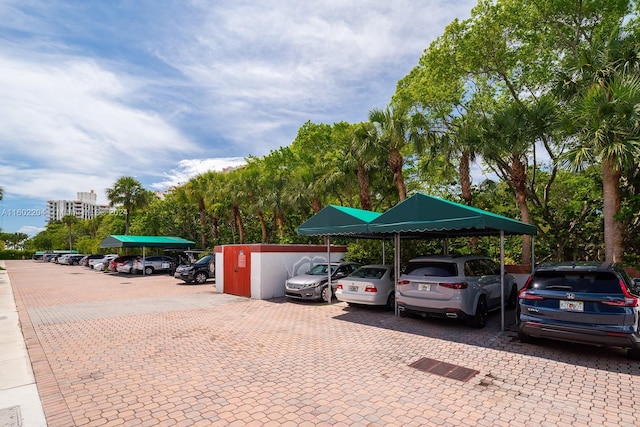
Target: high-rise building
<point>84,207</point>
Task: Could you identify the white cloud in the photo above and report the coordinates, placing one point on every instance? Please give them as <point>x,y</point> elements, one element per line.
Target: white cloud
<point>189,168</point>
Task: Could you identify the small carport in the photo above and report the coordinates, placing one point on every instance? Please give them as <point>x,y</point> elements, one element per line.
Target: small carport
<point>422,216</point>
<point>127,241</point>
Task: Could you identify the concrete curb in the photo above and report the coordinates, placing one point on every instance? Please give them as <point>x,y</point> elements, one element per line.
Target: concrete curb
<point>20,403</point>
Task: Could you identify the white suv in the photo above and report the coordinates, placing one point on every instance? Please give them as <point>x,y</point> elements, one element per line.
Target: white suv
<point>465,287</point>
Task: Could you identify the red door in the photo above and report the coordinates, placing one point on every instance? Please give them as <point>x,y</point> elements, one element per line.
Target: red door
<point>237,271</point>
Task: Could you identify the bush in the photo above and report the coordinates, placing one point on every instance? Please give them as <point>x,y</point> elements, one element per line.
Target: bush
<point>15,254</point>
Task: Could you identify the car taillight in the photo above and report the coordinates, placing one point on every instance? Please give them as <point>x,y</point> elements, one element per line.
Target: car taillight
<point>371,289</point>
<point>523,294</point>
<point>403,282</point>
<point>628,301</point>
<point>460,285</point>
<point>339,286</point>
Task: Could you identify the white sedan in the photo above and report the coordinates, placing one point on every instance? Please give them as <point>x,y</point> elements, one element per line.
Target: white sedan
<point>369,285</point>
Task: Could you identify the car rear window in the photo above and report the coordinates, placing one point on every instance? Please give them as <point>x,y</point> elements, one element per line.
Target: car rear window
<point>431,268</point>
<point>369,273</point>
<point>576,281</point>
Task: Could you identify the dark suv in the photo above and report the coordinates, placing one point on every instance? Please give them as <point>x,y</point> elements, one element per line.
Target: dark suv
<point>591,303</point>
<point>199,271</point>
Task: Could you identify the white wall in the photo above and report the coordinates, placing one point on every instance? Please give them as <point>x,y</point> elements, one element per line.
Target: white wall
<point>269,270</point>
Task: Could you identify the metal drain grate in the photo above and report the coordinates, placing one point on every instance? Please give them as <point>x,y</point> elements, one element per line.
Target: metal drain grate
<point>10,417</point>
<point>444,369</point>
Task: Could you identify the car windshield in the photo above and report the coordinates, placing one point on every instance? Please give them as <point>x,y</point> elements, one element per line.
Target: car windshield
<point>321,269</point>
<point>203,260</point>
<point>431,268</point>
<point>576,281</point>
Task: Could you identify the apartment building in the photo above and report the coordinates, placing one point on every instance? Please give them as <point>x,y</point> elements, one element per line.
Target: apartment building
<point>84,207</point>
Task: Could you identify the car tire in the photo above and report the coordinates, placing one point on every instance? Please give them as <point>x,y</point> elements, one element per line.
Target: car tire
<point>479,319</point>
<point>391,302</point>
<point>512,302</point>
<point>633,353</point>
<point>200,277</point>
<point>324,293</point>
<point>525,338</point>
<point>148,271</point>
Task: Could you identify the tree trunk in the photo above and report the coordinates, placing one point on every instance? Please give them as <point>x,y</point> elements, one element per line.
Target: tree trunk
<point>465,177</point>
<point>214,227</point>
<point>238,221</point>
<point>465,187</point>
<point>519,180</point>
<point>315,203</point>
<point>203,223</point>
<point>280,222</point>
<point>126,222</point>
<point>363,185</point>
<point>395,164</point>
<point>613,242</point>
<point>263,226</point>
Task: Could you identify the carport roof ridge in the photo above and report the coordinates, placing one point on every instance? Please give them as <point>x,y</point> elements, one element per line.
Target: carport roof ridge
<point>127,241</point>
<point>337,220</point>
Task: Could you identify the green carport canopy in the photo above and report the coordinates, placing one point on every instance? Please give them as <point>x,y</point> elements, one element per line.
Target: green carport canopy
<point>426,216</point>
<point>169,242</point>
<point>338,220</point>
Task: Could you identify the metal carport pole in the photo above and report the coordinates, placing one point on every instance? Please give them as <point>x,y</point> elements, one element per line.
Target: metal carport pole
<point>396,267</point>
<point>502,278</point>
<point>329,270</point>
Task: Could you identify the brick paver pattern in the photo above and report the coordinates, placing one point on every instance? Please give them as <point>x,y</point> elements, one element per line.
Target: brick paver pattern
<point>119,350</point>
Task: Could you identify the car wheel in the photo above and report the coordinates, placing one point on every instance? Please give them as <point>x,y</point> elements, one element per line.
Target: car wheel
<point>325,293</point>
<point>512,302</point>
<point>525,338</point>
<point>200,278</point>
<point>148,270</point>
<point>633,353</point>
<point>391,302</point>
<point>479,320</point>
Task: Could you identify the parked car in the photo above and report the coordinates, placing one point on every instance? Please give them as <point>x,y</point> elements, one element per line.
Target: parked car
<point>63,259</point>
<point>465,287</point>
<point>153,264</point>
<point>74,259</point>
<point>126,266</point>
<point>369,285</point>
<point>312,285</point>
<point>49,257</point>
<point>103,264</point>
<point>93,261</point>
<point>113,265</point>
<point>590,303</point>
<point>85,260</point>
<point>198,272</point>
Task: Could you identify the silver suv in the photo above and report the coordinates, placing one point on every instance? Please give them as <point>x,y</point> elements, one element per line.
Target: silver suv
<point>465,287</point>
<point>312,285</point>
<point>590,303</point>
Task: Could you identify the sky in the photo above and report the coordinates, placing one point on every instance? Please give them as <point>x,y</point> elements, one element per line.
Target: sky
<point>163,90</point>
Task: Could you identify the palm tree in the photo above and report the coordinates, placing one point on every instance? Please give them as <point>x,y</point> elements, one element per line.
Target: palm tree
<point>69,221</point>
<point>395,132</point>
<point>128,193</point>
<point>604,93</point>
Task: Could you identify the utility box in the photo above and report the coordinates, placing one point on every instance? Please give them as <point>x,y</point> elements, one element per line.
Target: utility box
<point>259,270</point>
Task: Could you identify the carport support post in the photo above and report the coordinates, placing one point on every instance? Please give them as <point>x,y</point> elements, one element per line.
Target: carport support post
<point>143,261</point>
<point>502,278</point>
<point>396,267</point>
<point>329,270</point>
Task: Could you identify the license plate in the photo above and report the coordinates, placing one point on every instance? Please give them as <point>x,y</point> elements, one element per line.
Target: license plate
<point>572,305</point>
<point>353,289</point>
<point>424,286</point>
<point>165,265</point>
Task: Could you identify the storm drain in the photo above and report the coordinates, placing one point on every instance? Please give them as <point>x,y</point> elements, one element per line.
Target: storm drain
<point>10,417</point>
<point>444,369</point>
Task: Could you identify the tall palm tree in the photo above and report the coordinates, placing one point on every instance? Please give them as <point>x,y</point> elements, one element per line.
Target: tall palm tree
<point>128,193</point>
<point>395,132</point>
<point>604,94</point>
<point>69,221</point>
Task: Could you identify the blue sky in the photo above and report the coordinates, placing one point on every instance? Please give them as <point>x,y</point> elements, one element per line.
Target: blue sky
<point>163,90</point>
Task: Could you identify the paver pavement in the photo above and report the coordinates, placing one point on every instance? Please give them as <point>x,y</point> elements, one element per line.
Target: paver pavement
<point>112,350</point>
